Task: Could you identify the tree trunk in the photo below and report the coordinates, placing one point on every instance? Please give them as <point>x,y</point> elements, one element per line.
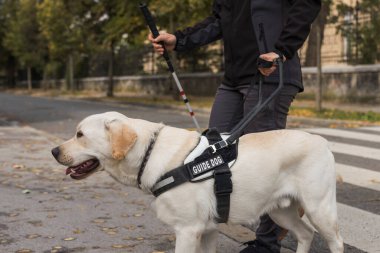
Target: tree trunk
<point>29,74</point>
<point>321,20</point>
<point>71,73</point>
<point>110,70</point>
<point>11,72</point>
<point>318,92</point>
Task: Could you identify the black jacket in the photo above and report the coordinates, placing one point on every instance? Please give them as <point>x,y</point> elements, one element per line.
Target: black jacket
<point>281,25</point>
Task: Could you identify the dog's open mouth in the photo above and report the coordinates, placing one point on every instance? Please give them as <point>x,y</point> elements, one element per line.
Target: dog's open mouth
<point>82,170</point>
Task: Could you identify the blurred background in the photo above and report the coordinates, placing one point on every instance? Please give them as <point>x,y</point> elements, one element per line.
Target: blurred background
<point>99,45</point>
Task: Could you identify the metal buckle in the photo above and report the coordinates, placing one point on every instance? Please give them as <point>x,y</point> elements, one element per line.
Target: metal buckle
<point>218,145</point>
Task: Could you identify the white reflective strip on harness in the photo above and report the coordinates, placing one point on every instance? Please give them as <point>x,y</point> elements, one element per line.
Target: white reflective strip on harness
<point>163,183</point>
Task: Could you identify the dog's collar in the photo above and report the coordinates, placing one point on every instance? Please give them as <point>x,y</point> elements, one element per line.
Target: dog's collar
<point>147,155</point>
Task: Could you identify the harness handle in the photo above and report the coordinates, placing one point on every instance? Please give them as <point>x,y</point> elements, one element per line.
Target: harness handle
<point>261,63</point>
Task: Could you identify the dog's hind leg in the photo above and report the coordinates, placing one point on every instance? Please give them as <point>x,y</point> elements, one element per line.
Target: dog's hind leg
<point>209,241</point>
<point>290,219</point>
<point>325,219</point>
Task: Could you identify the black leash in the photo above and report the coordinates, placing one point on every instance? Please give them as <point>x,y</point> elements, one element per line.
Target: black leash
<point>238,130</point>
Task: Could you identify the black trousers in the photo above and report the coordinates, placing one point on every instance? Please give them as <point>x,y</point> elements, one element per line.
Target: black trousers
<point>228,109</point>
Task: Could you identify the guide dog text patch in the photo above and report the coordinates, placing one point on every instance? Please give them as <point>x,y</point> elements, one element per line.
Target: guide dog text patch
<point>197,169</point>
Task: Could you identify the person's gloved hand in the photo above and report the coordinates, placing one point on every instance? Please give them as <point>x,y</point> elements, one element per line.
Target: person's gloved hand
<point>168,39</point>
<point>269,57</point>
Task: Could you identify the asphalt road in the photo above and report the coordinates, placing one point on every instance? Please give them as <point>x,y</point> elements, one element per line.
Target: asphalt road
<point>60,117</point>
<point>356,152</point>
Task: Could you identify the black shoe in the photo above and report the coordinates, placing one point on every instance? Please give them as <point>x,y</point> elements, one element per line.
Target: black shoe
<point>257,246</point>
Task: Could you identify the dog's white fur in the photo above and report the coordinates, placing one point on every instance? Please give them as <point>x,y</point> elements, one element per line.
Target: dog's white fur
<point>276,172</point>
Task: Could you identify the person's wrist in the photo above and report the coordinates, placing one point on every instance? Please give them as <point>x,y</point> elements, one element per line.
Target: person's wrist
<point>280,54</point>
<point>175,42</point>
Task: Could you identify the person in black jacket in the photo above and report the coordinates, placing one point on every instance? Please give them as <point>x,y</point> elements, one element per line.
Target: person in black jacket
<point>251,29</point>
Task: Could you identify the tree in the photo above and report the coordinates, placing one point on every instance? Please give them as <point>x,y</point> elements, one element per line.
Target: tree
<point>318,26</point>
<point>7,60</point>
<point>115,23</point>
<point>24,39</point>
<point>361,27</point>
<point>64,25</point>
<point>179,14</point>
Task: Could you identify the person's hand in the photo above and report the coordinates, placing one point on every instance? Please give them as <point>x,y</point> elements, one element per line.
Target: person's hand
<point>269,57</point>
<point>168,39</point>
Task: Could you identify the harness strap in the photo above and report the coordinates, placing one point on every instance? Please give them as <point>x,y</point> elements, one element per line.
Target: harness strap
<point>187,172</point>
<point>223,189</point>
<point>223,184</point>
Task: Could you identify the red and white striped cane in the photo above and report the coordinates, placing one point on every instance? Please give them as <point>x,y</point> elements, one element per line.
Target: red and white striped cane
<point>153,28</point>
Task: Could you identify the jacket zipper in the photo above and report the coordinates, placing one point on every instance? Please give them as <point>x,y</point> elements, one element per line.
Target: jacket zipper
<point>262,37</point>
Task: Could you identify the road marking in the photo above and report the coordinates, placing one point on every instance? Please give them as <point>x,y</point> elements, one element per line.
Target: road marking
<point>372,128</point>
<point>344,134</point>
<point>360,177</point>
<point>355,150</point>
<point>365,224</point>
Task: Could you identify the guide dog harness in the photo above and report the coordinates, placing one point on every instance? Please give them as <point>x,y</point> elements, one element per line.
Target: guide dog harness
<point>212,158</point>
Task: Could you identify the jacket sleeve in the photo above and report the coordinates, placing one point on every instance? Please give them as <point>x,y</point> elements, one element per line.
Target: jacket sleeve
<point>300,17</point>
<point>204,32</point>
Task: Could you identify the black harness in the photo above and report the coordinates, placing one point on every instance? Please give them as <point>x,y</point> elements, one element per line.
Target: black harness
<point>214,159</point>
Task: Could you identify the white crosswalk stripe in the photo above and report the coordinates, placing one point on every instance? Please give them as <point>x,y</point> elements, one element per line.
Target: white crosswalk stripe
<point>373,128</point>
<point>359,226</point>
<point>360,177</point>
<point>345,134</point>
<point>355,150</point>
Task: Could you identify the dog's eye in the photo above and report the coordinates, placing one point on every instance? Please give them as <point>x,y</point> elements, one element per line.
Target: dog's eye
<point>79,134</point>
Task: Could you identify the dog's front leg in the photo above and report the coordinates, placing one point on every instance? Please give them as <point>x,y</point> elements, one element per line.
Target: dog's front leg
<point>188,240</point>
<point>209,241</point>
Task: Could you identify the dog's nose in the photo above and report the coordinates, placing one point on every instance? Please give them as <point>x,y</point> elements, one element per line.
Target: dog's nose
<point>55,152</point>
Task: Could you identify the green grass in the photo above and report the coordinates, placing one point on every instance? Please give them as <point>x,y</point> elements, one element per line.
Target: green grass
<point>335,114</point>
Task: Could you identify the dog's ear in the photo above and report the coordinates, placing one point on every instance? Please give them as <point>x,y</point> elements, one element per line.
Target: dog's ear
<point>122,138</point>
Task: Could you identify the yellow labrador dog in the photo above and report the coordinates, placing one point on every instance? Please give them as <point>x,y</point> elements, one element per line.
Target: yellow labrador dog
<point>276,172</point>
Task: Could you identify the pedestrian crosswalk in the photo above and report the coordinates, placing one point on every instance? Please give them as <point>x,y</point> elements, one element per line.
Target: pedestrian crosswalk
<point>357,153</point>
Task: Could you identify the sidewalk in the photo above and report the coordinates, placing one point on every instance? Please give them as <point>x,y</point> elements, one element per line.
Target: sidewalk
<point>44,211</point>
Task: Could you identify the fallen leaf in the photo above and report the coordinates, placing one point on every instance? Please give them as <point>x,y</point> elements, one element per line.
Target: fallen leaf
<point>26,191</point>
<point>32,236</point>
<point>24,251</point>
<point>121,246</point>
<point>18,166</point>
<point>98,221</point>
<point>69,239</point>
<point>77,231</point>
<point>130,227</point>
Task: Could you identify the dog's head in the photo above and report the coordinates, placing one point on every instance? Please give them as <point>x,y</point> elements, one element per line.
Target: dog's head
<point>99,138</point>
